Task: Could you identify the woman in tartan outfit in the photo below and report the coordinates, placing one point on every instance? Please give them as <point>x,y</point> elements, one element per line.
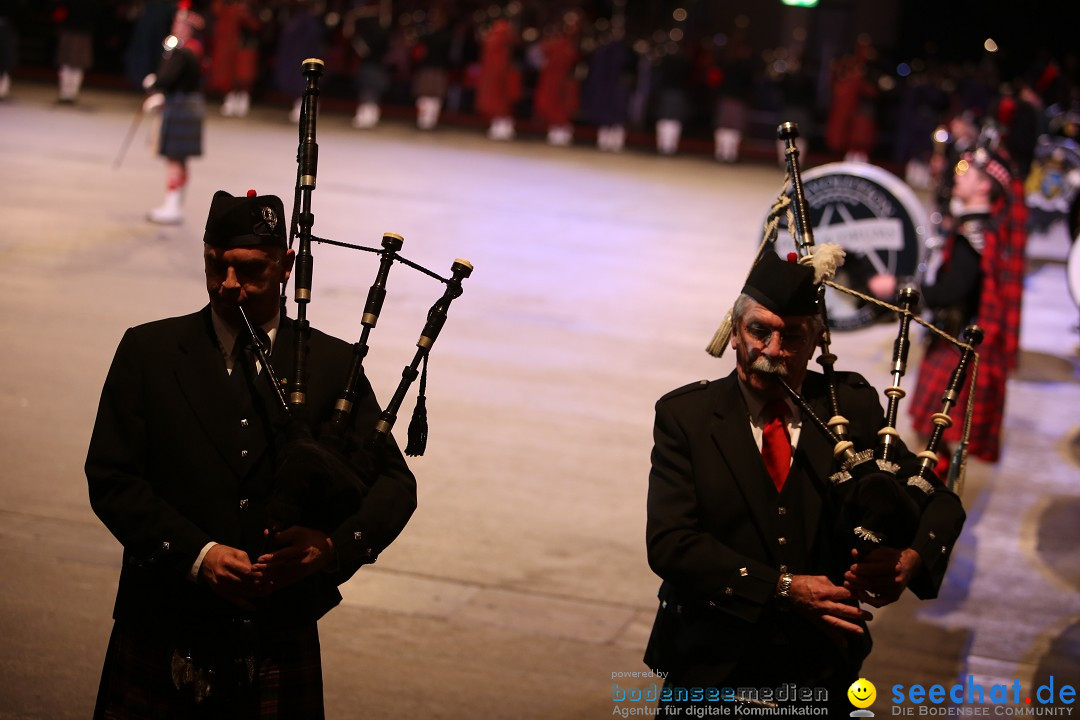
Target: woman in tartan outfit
<point>980,280</point>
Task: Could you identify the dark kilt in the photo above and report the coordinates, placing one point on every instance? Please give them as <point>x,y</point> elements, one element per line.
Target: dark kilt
<point>136,681</point>
<point>371,82</point>
<point>75,49</point>
<point>182,125</point>
<point>430,82</point>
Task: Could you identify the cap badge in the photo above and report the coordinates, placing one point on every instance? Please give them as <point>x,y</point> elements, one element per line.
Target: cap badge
<point>269,216</point>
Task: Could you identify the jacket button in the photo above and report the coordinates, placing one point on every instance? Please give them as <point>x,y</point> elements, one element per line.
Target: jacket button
<point>358,536</point>
<point>781,510</point>
<point>244,502</point>
<point>243,453</point>
<point>244,422</point>
<point>782,540</point>
<point>728,591</point>
<point>165,546</point>
<point>933,534</point>
<point>783,568</point>
<point>743,572</point>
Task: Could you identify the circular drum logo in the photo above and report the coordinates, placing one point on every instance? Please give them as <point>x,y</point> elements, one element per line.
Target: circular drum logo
<point>879,222</point>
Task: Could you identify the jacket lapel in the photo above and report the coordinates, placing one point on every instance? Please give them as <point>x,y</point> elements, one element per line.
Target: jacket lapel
<point>204,382</point>
<point>733,438</point>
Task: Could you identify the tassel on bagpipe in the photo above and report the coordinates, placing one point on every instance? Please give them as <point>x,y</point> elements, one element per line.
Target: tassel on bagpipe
<point>872,503</point>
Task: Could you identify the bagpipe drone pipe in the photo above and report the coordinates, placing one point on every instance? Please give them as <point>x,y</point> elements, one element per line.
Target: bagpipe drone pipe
<point>321,474</point>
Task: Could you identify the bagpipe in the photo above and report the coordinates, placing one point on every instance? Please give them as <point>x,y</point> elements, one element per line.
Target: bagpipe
<point>876,505</point>
<point>321,477</point>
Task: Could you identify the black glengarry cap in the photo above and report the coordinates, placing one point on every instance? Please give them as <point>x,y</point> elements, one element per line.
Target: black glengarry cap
<point>250,221</point>
<point>785,288</point>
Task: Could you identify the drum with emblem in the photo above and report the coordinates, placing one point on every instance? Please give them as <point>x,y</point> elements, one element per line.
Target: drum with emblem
<point>880,223</point>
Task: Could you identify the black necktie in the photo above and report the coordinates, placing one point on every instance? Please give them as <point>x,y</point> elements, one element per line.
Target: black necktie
<point>243,369</point>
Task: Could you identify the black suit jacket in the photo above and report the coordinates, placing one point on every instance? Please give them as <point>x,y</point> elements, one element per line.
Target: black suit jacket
<point>718,532</point>
<point>177,460</point>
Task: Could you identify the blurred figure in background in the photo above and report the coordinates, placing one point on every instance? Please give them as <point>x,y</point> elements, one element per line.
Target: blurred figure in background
<point>233,55</point>
<point>606,97</point>
<point>499,84</point>
<point>143,51</point>
<point>734,79</point>
<point>301,38</point>
<point>177,91</point>
<point>922,105</point>
<point>75,48</point>
<point>1020,115</point>
<point>556,98</point>
<point>367,30</point>
<point>670,88</point>
<point>851,127</point>
<point>797,101</point>
<point>431,56</point>
<point>9,48</point>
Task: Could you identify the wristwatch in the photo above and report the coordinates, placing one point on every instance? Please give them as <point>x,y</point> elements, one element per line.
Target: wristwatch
<point>783,590</point>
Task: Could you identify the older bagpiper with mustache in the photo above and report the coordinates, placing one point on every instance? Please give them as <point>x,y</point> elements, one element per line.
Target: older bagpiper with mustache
<point>759,590</point>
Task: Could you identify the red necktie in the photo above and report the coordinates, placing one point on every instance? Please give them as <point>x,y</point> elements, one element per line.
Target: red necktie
<point>776,443</point>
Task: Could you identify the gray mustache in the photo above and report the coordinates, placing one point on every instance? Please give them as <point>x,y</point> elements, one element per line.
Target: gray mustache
<point>764,364</point>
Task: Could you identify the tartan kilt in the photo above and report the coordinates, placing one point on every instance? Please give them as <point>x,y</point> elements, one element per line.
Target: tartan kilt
<point>182,126</point>
<point>934,372</point>
<point>136,681</point>
<point>937,367</point>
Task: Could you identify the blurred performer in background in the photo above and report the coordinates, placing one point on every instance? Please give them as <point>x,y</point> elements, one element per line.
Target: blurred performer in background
<point>977,278</point>
<point>215,614</point>
<point>176,90</point>
<point>431,56</point>
<point>608,86</point>
<point>303,35</point>
<point>499,84</point>
<point>75,20</point>
<point>670,87</point>
<point>851,127</point>
<point>735,89</point>
<point>9,47</point>
<point>370,39</point>
<point>739,518</point>
<point>556,99</point>
<point>233,55</point>
<point>143,53</point>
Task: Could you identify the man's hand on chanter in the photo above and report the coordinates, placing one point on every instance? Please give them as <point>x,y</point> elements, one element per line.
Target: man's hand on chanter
<point>298,552</point>
<point>879,578</point>
<point>816,598</point>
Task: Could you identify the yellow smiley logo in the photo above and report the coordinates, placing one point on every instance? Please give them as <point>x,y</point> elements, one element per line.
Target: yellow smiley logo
<point>862,693</point>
